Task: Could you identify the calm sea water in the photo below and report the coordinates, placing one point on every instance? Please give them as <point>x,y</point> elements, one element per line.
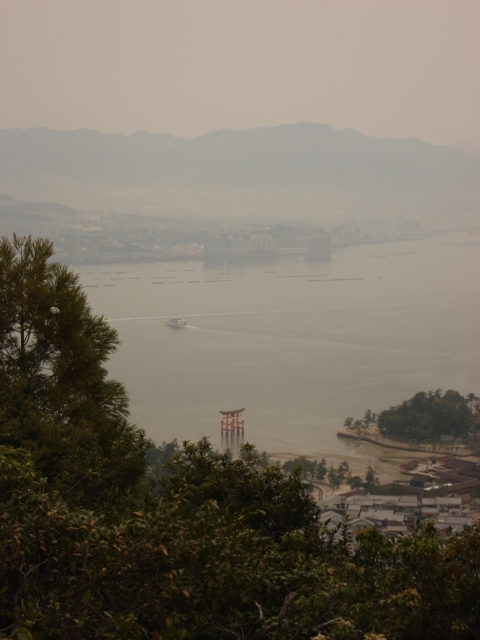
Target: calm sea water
<point>300,345</point>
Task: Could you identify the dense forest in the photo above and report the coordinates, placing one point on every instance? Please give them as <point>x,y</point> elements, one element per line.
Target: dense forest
<point>425,418</point>
<point>98,542</point>
<point>428,416</point>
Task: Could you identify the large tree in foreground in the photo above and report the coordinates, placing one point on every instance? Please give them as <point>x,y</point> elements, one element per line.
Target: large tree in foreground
<point>55,397</point>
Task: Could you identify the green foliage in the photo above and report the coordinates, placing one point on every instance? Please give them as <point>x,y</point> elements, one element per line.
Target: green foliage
<point>183,568</point>
<point>52,349</point>
<point>309,469</point>
<point>370,479</point>
<point>337,476</point>
<point>361,427</point>
<point>55,398</point>
<point>424,418</point>
<point>159,456</point>
<point>344,469</point>
<point>17,471</point>
<point>271,501</point>
<point>321,471</point>
<point>248,449</point>
<point>427,416</point>
<point>355,482</point>
<point>264,459</point>
<point>314,470</point>
<point>334,477</point>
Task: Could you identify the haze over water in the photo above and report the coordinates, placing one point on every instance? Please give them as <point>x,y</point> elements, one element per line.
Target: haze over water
<point>300,345</point>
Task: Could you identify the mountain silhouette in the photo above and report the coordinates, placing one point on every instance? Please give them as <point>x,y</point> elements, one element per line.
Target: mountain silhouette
<point>304,162</point>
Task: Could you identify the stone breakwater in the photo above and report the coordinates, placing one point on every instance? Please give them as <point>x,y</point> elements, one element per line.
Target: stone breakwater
<point>390,444</point>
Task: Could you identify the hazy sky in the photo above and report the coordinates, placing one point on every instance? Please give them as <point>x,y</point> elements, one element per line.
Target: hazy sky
<point>395,68</point>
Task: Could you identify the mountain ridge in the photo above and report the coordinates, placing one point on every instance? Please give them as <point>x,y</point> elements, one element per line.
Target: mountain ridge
<point>303,160</point>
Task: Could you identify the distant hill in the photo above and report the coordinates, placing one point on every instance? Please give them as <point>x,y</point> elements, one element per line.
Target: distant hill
<point>15,208</point>
<point>469,149</point>
<point>307,166</point>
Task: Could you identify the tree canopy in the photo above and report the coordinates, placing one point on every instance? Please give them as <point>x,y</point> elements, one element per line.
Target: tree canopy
<point>55,397</point>
<point>208,559</point>
<point>270,500</point>
<point>427,416</point>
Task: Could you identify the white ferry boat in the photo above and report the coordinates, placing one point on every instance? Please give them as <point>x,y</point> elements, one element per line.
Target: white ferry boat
<point>176,323</point>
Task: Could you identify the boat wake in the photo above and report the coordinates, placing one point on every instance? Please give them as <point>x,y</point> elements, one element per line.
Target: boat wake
<point>226,314</point>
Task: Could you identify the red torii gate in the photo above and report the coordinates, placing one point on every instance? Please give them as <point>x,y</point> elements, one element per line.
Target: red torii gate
<point>231,421</point>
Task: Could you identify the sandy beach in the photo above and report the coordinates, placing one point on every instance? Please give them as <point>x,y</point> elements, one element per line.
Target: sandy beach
<point>382,459</point>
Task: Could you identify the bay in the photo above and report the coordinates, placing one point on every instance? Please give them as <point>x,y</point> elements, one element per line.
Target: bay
<point>300,345</point>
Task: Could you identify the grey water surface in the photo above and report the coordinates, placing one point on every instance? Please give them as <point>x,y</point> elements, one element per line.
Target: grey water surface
<point>301,345</point>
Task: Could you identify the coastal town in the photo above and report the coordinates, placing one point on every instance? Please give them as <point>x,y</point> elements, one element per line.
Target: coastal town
<point>406,483</point>
<point>439,489</point>
<point>107,237</point>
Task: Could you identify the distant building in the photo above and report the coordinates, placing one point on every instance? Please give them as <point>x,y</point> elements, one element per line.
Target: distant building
<point>319,243</point>
<point>409,466</point>
<point>288,242</point>
<point>221,247</point>
<point>261,243</point>
<point>420,480</point>
<point>319,248</point>
<point>395,515</point>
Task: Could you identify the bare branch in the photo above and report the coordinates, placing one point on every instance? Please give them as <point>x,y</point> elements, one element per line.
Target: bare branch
<point>260,610</point>
<point>284,612</point>
<point>286,605</point>
<point>327,625</point>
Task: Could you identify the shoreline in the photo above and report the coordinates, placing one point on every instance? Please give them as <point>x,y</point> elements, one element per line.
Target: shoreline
<point>294,252</point>
<point>402,447</point>
<point>384,459</point>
